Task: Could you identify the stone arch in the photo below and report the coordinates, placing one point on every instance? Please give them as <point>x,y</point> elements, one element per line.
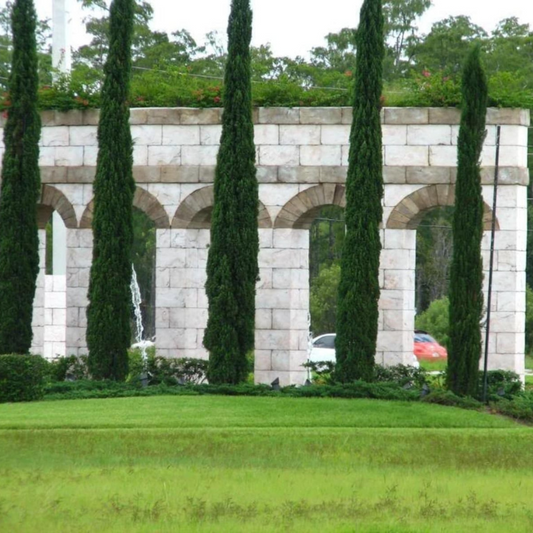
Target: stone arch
<point>300,211</point>
<point>52,199</point>
<point>142,200</point>
<point>196,210</point>
<point>411,210</point>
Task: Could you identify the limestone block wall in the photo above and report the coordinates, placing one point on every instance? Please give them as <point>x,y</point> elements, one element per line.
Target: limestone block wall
<point>55,316</point>
<point>302,157</point>
<point>37,344</point>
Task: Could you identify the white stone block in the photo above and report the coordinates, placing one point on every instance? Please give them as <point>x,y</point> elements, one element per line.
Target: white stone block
<point>263,360</point>
<point>90,156</point>
<point>162,317</point>
<point>188,278</point>
<point>54,334</point>
<point>265,238</point>
<point>281,278</point>
<point>83,136</point>
<point>140,155</point>
<point>281,360</point>
<point>279,155</point>
<point>513,136</point>
<point>199,155</point>
<point>394,194</point>
<point>345,155</point>
<point>171,258</point>
<point>398,280</point>
<point>509,343</point>
<point>291,238</point>
<point>47,156</point>
<point>338,134</point>
<point>509,302</point>
<point>79,257</point>
<point>69,156</point>
<point>272,339</point>
<point>400,239</point>
<point>274,258</point>
<point>209,135</point>
<point>277,194</point>
<point>59,283</point>
<point>513,156</point>
<point>507,322</point>
<point>394,135</point>
<point>48,316</point>
<point>182,135</point>
<point>266,134</point>
<point>506,281</point>
<point>162,237</point>
<point>59,317</point>
<point>429,135</point>
<point>443,156</point>
<point>164,155</point>
<point>413,156</point>
<point>54,136</point>
<point>273,299</point>
<point>196,318</point>
<point>396,259</point>
<point>299,135</point>
<point>54,300</point>
<point>263,319</point>
<point>320,155</point>
<point>147,135</point>
<point>265,278</point>
<point>76,297</point>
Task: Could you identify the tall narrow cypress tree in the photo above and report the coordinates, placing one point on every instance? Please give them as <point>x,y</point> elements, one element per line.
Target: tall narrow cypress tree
<point>357,311</point>
<point>232,268</point>
<point>109,311</point>
<point>466,273</point>
<point>19,240</point>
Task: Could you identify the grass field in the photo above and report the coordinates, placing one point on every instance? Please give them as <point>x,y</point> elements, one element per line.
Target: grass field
<point>261,464</point>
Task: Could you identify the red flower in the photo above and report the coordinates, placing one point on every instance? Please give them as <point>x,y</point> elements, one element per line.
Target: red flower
<point>216,99</point>
<point>426,73</point>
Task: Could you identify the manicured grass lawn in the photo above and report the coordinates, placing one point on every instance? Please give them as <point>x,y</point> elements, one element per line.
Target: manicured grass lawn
<point>261,464</point>
<point>434,366</point>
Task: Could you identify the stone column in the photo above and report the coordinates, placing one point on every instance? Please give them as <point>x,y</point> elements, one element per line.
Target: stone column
<point>181,303</point>
<point>55,320</point>
<point>397,299</point>
<point>507,322</point>
<point>37,343</point>
<point>79,258</point>
<point>282,306</point>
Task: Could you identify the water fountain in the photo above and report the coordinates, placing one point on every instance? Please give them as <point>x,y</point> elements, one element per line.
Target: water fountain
<point>140,343</point>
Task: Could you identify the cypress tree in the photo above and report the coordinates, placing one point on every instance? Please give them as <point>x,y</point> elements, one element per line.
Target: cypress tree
<point>357,311</point>
<point>466,273</point>
<point>232,268</point>
<point>109,311</point>
<point>19,240</point>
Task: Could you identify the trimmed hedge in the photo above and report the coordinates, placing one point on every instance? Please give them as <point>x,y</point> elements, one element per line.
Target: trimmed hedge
<point>21,378</point>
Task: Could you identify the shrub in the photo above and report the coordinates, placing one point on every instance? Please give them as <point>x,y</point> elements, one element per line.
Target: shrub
<point>446,397</point>
<point>435,320</point>
<point>66,368</point>
<point>501,384</point>
<point>21,378</point>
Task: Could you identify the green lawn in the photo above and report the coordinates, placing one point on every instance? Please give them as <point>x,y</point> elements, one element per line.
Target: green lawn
<point>261,464</point>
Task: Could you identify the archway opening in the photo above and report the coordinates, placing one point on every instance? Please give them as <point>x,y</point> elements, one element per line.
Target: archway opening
<point>143,257</point>
<point>326,240</point>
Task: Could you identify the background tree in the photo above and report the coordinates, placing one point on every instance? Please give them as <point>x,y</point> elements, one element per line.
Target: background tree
<point>357,312</point>
<point>109,311</point>
<point>466,279</point>
<point>232,268</point>
<point>19,240</point>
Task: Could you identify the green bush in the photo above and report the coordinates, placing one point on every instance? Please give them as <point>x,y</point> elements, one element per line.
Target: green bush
<point>435,320</point>
<point>21,378</point>
<point>446,397</point>
<point>501,384</point>
<point>519,407</point>
<point>529,320</point>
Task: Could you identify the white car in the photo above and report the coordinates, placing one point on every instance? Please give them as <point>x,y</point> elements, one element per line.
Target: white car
<point>324,350</point>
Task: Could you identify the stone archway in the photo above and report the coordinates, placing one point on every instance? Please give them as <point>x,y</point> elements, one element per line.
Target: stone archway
<point>412,209</point>
<point>195,211</point>
<point>142,200</point>
<point>52,199</point>
<point>300,211</point>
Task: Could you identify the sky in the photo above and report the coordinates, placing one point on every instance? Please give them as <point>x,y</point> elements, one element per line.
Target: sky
<point>292,27</point>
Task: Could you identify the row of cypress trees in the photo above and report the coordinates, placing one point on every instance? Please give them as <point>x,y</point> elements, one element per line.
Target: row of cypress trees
<point>232,267</point>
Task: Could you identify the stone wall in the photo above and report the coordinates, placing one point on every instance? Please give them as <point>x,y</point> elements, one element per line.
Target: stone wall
<point>302,156</point>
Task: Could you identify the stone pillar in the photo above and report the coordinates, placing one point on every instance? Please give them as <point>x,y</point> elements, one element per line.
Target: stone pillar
<point>397,299</point>
<point>181,303</point>
<point>37,343</point>
<point>79,258</point>
<point>507,322</point>
<point>55,320</point>
<point>282,306</point>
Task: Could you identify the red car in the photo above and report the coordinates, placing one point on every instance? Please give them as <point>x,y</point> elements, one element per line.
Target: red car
<point>426,347</point>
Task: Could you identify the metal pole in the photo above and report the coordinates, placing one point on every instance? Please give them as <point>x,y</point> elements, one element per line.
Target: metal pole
<point>491,262</point>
